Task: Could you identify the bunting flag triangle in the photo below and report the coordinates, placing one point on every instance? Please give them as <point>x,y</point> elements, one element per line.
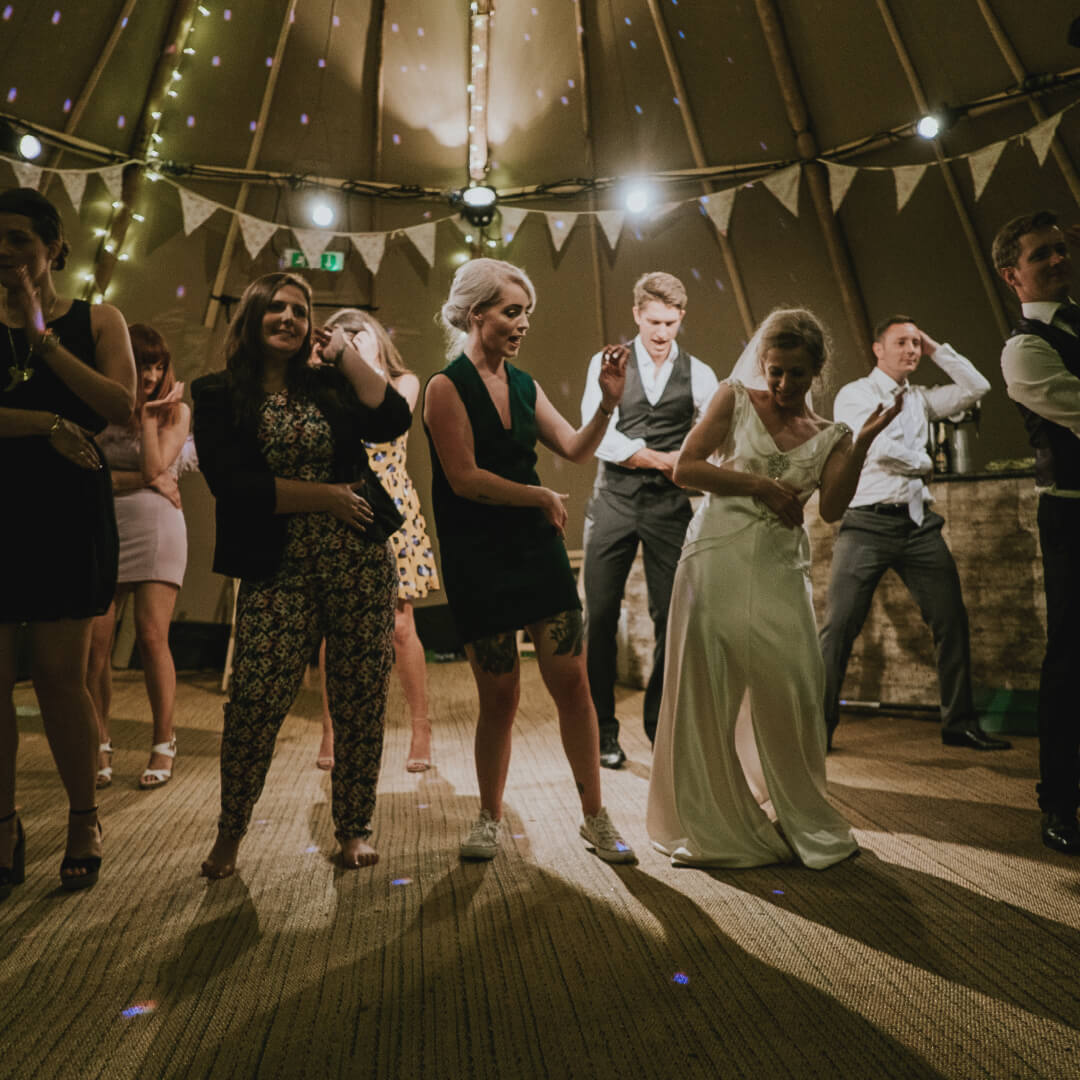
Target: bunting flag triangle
<point>611,221</point>
<point>559,225</point>
<point>785,186</point>
<point>840,179</point>
<point>907,178</point>
<point>423,239</point>
<point>195,209</point>
<point>312,243</point>
<point>255,232</point>
<point>113,177</point>
<point>26,174</point>
<point>510,218</point>
<point>718,206</point>
<point>1042,135</point>
<point>983,162</point>
<point>74,181</point>
<point>371,247</point>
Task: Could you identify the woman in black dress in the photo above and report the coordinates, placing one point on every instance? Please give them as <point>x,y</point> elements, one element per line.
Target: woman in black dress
<point>302,521</point>
<point>66,370</point>
<point>501,535</point>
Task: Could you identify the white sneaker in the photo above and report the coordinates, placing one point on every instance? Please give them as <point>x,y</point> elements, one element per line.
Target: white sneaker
<point>605,838</point>
<point>483,839</point>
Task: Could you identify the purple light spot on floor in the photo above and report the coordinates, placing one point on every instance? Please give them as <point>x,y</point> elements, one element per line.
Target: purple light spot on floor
<point>139,1008</point>
<point>263,821</point>
<point>401,881</point>
<point>311,849</point>
<point>680,977</point>
<point>518,835</point>
<point>778,892</point>
<point>423,806</point>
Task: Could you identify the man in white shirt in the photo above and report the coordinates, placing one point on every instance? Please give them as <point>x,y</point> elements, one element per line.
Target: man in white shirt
<point>1041,365</point>
<point>635,499</point>
<point>889,524</point>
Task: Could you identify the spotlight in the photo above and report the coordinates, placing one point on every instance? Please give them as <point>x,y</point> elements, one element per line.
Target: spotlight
<point>477,204</point>
<point>638,199</point>
<point>29,146</point>
<point>322,213</point>
<point>928,127</point>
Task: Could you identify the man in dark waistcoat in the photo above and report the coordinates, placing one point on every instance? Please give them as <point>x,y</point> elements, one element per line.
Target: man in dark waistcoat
<point>635,499</point>
<point>1041,365</point>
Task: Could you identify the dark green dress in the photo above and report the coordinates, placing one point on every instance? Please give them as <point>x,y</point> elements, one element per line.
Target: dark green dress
<point>503,566</point>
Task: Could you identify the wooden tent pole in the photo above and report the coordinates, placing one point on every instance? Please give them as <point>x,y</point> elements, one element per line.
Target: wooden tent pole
<point>997,32</point>
<point>816,176</point>
<point>378,21</point>
<point>693,137</point>
<point>981,259</point>
<point>83,98</point>
<point>214,304</point>
<point>590,164</point>
<point>179,27</point>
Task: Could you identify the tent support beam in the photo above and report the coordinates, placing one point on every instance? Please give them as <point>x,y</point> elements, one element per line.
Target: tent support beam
<point>214,305</point>
<point>816,175</point>
<point>742,301</point>
<point>997,32</point>
<point>183,15</point>
<point>981,259</point>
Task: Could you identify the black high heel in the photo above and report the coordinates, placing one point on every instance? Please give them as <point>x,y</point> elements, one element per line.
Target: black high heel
<point>15,874</point>
<point>90,863</point>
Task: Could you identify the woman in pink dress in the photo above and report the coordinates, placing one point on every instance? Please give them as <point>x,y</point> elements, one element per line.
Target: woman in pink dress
<point>144,456</point>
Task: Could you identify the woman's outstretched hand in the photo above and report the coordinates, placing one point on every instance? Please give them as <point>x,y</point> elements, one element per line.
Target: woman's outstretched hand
<point>612,378</point>
<point>878,421</point>
<point>783,501</point>
<point>158,405</point>
<point>346,505</point>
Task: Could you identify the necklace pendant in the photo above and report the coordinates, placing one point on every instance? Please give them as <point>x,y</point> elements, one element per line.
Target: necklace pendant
<point>18,375</point>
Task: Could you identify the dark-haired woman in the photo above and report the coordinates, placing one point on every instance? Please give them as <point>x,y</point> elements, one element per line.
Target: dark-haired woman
<point>144,458</point>
<point>66,371</point>
<point>303,523</point>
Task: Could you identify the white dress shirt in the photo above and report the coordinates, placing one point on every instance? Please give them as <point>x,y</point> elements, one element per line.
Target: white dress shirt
<point>897,460</point>
<point>615,446</point>
<point>1036,376</point>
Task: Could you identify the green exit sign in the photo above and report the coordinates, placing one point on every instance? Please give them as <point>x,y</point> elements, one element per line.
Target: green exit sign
<point>328,260</point>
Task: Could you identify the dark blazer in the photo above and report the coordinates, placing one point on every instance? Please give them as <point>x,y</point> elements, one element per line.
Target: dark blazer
<point>249,536</point>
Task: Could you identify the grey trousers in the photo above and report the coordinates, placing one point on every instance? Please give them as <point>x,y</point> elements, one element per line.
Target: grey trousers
<point>867,545</point>
<point>614,527</point>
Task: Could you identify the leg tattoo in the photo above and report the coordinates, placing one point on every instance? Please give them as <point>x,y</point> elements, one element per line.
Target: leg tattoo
<point>567,631</point>
<point>497,654</point>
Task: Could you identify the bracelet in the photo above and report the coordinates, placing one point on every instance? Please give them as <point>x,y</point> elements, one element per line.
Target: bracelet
<point>57,421</point>
<point>607,412</point>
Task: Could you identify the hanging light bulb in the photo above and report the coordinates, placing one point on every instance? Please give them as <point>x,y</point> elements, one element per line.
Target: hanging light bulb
<point>29,146</point>
<point>928,126</point>
<point>322,213</point>
<point>637,199</point>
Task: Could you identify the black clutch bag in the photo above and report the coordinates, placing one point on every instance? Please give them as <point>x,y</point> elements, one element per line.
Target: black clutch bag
<point>388,518</point>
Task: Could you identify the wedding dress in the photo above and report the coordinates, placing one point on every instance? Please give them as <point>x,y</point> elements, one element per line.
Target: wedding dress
<point>741,627</point>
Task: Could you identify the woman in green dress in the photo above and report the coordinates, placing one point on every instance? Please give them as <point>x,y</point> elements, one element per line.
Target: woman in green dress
<point>501,535</point>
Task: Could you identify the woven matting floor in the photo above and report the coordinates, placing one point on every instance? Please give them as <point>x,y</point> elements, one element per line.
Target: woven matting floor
<point>950,948</point>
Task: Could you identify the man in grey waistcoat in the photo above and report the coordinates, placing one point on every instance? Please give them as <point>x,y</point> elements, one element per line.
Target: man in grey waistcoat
<point>635,501</point>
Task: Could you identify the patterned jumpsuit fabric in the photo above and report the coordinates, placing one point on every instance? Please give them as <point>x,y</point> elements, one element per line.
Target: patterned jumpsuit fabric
<point>331,583</point>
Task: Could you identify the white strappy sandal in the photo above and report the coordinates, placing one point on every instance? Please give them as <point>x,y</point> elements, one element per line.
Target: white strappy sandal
<point>104,773</point>
<point>154,778</point>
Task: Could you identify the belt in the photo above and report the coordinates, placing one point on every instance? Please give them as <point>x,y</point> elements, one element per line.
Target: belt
<point>896,509</point>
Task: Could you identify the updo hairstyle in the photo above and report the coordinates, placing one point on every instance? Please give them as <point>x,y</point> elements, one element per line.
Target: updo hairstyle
<point>476,286</point>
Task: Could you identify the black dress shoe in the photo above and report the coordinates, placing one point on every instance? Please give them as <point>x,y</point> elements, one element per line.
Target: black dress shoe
<point>611,753</point>
<point>1060,832</point>
<point>974,739</point>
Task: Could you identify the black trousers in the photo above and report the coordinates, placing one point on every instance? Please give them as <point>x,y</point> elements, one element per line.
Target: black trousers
<point>867,545</point>
<point>1059,716</point>
<point>615,525</point>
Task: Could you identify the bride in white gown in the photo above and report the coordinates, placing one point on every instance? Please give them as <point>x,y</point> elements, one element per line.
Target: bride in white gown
<point>741,622</point>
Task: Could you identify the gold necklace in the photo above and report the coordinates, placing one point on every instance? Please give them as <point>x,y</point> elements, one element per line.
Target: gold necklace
<point>22,372</point>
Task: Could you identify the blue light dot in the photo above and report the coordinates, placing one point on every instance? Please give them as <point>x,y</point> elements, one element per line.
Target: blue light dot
<point>539,93</point>
<point>570,83</point>
<point>180,291</point>
<point>120,121</point>
<point>682,34</point>
<point>337,20</point>
<point>67,104</point>
<point>322,61</point>
<point>676,100</point>
<point>269,61</point>
<point>680,977</point>
<point>638,109</point>
<point>528,37</point>
<point>633,44</point>
<point>123,23</point>
<point>396,140</point>
<point>253,125</point>
<point>190,121</point>
<point>394,28</point>
<point>8,12</point>
<point>56,17</point>
<point>422,806</point>
<point>696,272</point>
<point>763,146</point>
<point>303,118</point>
<point>419,31</point>
<point>626,19</point>
<point>719,284</point>
<point>311,849</point>
<point>565,100</point>
<point>778,892</point>
<point>402,881</point>
<point>12,94</point>
<point>227,13</point>
<point>215,61</point>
